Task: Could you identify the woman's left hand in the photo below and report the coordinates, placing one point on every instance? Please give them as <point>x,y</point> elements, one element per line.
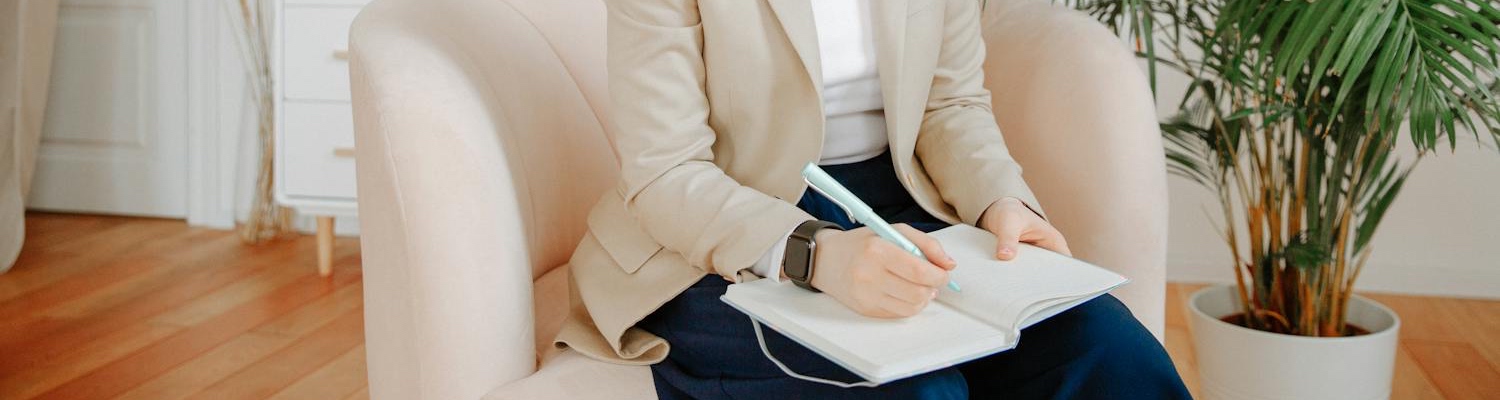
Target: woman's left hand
<point>1012,222</point>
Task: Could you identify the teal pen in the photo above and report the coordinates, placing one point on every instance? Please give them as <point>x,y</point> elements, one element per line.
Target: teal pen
<point>859,211</point>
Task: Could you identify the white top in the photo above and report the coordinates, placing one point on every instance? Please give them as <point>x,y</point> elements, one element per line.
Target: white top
<point>854,112</point>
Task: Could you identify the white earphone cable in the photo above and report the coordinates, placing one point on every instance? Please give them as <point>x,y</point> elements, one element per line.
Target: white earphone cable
<point>763,349</point>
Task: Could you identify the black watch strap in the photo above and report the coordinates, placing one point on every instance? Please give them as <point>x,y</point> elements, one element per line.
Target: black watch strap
<point>801,251</point>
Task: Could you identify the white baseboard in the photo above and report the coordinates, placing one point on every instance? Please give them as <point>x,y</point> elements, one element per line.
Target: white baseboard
<point>1427,280</point>
<point>342,226</point>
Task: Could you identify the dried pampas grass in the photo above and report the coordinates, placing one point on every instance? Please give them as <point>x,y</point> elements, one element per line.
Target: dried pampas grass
<point>267,219</point>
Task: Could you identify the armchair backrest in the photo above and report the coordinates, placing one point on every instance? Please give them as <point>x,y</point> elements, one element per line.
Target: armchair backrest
<point>1078,114</point>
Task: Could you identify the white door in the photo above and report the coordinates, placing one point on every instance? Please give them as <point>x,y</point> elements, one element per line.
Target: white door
<point>114,139</point>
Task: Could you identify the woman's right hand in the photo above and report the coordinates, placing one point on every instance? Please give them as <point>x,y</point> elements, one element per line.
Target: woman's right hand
<point>876,278</point>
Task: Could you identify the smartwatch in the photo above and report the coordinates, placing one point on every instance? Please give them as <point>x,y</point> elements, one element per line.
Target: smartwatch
<point>801,250</point>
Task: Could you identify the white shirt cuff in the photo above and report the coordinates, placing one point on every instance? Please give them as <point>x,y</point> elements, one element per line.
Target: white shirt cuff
<point>769,265</point>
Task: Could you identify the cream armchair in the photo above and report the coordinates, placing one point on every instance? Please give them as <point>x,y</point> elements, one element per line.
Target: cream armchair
<point>483,137</point>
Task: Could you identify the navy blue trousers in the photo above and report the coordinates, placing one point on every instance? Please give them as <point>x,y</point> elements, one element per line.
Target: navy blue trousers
<point>1097,350</point>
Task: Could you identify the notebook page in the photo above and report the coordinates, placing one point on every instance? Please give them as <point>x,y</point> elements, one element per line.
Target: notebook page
<point>877,349</point>
<point>1041,311</point>
<point>1004,292</point>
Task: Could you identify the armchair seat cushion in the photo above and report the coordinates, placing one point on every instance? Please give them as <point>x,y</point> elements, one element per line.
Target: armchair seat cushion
<point>573,376</point>
<point>549,310</point>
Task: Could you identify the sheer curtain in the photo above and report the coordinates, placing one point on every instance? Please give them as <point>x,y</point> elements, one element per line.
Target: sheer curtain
<point>27,30</point>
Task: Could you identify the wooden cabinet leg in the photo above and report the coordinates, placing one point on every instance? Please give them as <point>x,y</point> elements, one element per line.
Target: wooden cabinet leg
<point>325,246</point>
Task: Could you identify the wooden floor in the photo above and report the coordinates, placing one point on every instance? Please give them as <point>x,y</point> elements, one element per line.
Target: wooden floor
<point>1450,348</point>
<point>131,308</point>
<point>110,307</point>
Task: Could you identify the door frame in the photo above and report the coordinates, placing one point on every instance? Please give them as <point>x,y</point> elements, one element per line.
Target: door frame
<point>218,116</point>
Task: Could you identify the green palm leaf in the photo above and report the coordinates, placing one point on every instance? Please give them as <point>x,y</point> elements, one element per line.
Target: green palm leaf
<point>1292,115</point>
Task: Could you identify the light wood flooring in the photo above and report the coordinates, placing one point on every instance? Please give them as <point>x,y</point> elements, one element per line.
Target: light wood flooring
<point>133,308</point>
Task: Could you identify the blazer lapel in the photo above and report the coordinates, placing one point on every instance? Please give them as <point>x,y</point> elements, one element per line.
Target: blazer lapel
<point>796,17</point>
<point>889,18</point>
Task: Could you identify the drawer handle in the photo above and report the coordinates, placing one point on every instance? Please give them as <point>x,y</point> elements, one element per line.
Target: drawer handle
<point>344,152</point>
<point>341,55</point>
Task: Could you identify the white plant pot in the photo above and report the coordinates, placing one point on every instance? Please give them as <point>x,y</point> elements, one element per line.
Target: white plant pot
<point>1235,362</point>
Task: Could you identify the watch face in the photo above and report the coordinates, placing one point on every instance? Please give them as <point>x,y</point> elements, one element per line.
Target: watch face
<point>798,260</point>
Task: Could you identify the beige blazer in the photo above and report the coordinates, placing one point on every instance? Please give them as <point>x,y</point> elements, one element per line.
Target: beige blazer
<point>716,108</point>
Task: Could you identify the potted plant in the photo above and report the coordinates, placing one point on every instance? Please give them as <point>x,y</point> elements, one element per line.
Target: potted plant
<point>1292,119</point>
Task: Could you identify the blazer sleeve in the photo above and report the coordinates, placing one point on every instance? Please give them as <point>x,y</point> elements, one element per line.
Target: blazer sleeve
<point>668,178</point>
<point>960,145</point>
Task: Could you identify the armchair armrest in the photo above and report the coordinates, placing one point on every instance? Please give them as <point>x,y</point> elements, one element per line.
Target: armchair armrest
<point>447,275</point>
<point>1078,115</point>
<point>478,155</point>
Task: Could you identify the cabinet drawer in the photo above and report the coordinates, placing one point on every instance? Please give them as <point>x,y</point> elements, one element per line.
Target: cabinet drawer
<point>315,52</point>
<point>317,150</point>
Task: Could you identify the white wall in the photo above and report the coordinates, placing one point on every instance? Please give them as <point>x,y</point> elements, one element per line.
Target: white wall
<point>1441,237</point>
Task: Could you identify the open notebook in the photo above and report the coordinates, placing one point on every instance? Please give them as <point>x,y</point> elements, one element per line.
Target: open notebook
<point>999,298</point>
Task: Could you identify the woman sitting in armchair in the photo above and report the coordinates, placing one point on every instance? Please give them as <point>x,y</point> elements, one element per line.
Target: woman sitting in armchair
<point>718,104</point>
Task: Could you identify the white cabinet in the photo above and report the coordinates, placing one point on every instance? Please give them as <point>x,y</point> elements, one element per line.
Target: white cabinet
<point>318,150</point>
<point>315,44</point>
<point>314,123</point>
